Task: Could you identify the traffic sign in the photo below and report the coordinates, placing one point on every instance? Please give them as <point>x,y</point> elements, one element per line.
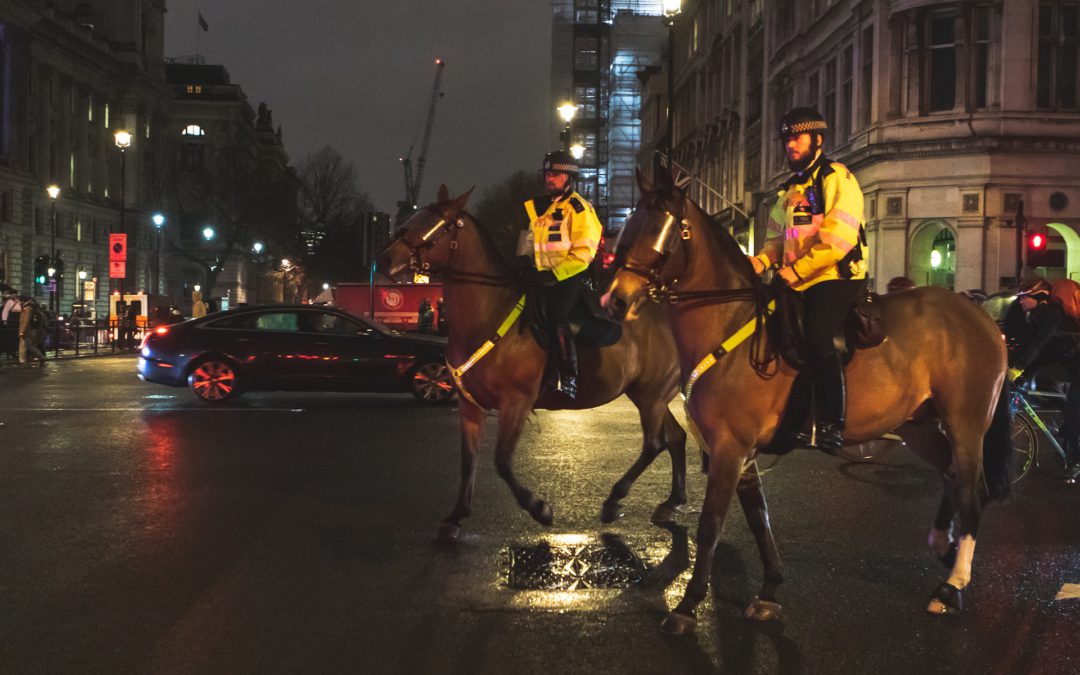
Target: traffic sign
<point>117,248</point>
<point>117,269</point>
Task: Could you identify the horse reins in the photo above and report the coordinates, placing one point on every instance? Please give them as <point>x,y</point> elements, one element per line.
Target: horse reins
<point>428,239</point>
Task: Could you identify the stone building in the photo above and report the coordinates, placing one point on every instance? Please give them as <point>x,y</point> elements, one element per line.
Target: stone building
<point>951,114</point>
<point>71,75</point>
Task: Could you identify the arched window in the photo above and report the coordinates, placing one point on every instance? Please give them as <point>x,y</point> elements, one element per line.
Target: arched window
<point>192,130</point>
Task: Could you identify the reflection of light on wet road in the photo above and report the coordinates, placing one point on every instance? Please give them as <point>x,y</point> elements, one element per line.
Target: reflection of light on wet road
<point>160,494</point>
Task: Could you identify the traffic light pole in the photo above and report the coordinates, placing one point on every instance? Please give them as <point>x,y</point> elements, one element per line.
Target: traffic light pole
<point>1020,232</point>
<point>52,263</point>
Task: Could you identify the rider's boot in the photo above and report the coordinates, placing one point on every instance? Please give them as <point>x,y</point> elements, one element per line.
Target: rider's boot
<point>568,367</point>
<point>830,398</point>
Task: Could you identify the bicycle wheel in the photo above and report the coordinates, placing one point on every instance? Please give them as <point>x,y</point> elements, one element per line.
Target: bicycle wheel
<point>1025,440</point>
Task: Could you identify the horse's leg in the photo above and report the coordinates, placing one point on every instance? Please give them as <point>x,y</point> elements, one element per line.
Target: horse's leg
<point>660,431</point>
<point>926,440</point>
<point>752,500</point>
<point>725,467</point>
<point>511,420</point>
<point>472,427</point>
<point>966,429</point>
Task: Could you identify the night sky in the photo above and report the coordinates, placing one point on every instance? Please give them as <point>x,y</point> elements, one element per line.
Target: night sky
<point>358,76</point>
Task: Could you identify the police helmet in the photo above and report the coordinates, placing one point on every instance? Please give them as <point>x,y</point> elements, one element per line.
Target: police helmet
<point>802,120</point>
<point>1037,289</point>
<point>561,160</point>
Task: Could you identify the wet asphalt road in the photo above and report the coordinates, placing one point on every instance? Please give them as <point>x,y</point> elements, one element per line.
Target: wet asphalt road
<point>141,531</point>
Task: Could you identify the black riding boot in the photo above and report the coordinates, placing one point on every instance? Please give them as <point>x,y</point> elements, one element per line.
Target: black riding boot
<point>830,400</point>
<point>568,370</point>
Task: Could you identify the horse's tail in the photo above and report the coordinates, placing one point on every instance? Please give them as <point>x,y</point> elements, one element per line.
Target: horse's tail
<point>998,449</point>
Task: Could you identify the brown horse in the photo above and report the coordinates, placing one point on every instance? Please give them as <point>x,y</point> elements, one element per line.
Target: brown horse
<point>479,294</point>
<point>936,380</point>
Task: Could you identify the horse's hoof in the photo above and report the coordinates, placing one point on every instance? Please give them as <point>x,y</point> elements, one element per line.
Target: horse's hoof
<point>946,599</point>
<point>610,513</point>
<point>665,514</point>
<point>447,532</point>
<point>763,610</point>
<point>542,513</point>
<point>677,624</point>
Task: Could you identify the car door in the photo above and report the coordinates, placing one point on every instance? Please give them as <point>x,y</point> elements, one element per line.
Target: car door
<point>353,352</point>
<point>280,350</point>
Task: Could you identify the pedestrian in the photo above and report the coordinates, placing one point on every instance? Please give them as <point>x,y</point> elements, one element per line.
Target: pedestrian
<point>425,322</point>
<point>821,255</point>
<point>441,328</point>
<point>31,332</point>
<point>1049,335</point>
<point>9,315</point>
<point>131,321</point>
<point>198,307</point>
<point>565,233</point>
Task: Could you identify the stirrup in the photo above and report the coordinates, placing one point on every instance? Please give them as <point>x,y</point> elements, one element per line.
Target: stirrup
<point>567,386</point>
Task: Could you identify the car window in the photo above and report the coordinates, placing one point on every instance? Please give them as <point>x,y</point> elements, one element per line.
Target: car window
<point>277,321</point>
<point>234,322</point>
<point>334,324</point>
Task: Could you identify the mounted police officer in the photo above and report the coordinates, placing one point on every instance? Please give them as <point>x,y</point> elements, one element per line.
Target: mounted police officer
<point>565,234</point>
<point>1045,335</point>
<point>821,255</point>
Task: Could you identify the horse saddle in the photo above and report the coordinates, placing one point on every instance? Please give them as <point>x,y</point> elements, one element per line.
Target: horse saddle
<point>588,321</point>
<point>863,327</point>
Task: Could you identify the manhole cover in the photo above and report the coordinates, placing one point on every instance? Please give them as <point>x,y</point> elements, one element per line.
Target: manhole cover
<point>552,566</point>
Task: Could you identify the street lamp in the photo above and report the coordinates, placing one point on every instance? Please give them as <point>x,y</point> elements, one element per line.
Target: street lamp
<point>158,219</point>
<point>257,247</point>
<point>567,111</point>
<point>54,193</point>
<point>577,150</point>
<point>208,233</point>
<point>671,8</point>
<point>123,141</point>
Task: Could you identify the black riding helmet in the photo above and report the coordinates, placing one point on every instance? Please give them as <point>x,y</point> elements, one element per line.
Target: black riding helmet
<point>802,120</point>
<point>561,160</point>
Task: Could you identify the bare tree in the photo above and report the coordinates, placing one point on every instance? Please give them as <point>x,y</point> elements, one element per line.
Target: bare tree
<point>501,209</point>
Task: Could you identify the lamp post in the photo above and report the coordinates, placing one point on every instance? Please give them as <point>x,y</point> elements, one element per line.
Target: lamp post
<point>54,193</point>
<point>577,150</point>
<point>567,111</point>
<point>123,141</point>
<point>158,219</point>
<point>671,8</point>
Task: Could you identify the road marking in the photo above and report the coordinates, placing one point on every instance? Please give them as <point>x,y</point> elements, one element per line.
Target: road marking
<point>1069,592</point>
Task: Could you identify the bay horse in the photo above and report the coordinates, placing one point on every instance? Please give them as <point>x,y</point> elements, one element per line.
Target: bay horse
<point>937,379</point>
<point>479,293</point>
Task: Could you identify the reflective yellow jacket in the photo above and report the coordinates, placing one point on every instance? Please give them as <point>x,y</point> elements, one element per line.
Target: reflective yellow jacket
<point>565,233</point>
<point>821,241</point>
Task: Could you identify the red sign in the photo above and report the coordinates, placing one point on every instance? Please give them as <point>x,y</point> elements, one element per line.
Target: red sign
<point>117,269</point>
<point>117,248</point>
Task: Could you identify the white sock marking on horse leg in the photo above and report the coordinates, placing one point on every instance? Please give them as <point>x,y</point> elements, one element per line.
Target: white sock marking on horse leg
<point>939,541</point>
<point>961,572</point>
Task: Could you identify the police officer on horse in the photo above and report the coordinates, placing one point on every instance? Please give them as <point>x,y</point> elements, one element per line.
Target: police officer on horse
<point>821,255</point>
<point>565,234</point>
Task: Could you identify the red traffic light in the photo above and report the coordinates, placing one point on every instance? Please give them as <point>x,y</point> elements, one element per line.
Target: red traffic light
<point>1037,241</point>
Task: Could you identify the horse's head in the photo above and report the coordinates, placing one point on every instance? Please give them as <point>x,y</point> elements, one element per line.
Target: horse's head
<point>643,252</point>
<point>423,244</point>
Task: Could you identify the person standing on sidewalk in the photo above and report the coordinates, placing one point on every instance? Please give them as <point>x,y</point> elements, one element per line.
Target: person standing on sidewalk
<point>31,332</point>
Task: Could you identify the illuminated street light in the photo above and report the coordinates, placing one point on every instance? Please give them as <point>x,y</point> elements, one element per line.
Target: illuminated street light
<point>158,220</point>
<point>257,247</point>
<point>208,233</point>
<point>198,287</point>
<point>577,150</point>
<point>285,263</point>
<point>123,139</point>
<point>672,7</point>
<point>567,111</point>
<point>54,191</point>
<point>82,275</point>
<point>326,287</point>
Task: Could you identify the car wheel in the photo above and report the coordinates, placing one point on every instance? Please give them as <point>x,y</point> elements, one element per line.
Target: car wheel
<point>433,383</point>
<point>213,380</point>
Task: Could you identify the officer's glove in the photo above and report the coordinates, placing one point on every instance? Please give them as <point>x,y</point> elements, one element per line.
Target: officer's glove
<point>757,264</point>
<point>1013,374</point>
<point>524,267</point>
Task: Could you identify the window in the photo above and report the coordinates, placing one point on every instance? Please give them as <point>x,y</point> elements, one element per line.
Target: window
<point>1059,36</point>
<point>189,130</point>
<point>106,115</point>
<point>866,83</point>
<point>195,89</point>
<point>847,70</point>
<point>829,94</point>
<point>812,90</point>
<point>586,53</point>
<point>90,108</point>
<point>71,171</point>
<point>277,321</point>
<point>333,324</point>
<point>941,64</point>
<point>980,56</point>
<point>585,98</point>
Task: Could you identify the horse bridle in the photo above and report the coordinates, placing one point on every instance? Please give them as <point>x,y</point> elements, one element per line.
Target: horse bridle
<point>427,240</point>
<point>655,287</point>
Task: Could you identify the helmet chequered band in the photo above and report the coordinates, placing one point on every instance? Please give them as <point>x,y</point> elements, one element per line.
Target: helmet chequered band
<point>565,168</point>
<point>803,127</point>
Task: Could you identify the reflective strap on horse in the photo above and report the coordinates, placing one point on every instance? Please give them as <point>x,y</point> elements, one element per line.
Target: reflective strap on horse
<point>458,372</point>
<point>732,342</point>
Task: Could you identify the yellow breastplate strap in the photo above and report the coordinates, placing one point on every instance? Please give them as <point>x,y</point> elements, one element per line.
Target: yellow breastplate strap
<point>726,346</point>
<point>459,371</point>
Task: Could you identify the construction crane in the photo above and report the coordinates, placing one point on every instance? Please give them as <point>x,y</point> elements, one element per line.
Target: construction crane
<point>407,206</point>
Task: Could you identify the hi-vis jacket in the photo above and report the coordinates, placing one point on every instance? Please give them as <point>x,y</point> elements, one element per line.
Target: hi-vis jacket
<point>820,212</point>
<point>565,233</point>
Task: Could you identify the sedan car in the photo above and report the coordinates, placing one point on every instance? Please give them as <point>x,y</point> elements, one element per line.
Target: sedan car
<point>293,348</point>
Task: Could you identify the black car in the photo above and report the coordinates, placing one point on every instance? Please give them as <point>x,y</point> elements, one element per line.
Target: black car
<point>294,348</point>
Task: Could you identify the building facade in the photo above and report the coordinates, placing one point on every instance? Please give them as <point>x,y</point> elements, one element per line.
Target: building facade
<point>951,115</point>
<point>71,75</point>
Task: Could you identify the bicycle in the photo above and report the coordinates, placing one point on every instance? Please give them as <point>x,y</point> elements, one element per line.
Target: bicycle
<point>1028,425</point>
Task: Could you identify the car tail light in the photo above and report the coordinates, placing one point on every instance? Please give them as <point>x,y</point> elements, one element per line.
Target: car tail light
<point>161,330</point>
